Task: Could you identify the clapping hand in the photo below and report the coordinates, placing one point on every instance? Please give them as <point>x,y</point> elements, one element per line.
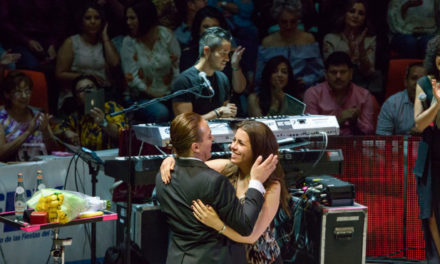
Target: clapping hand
<point>350,114</point>
<point>44,121</point>
<point>435,89</point>
<point>35,46</point>
<point>8,58</point>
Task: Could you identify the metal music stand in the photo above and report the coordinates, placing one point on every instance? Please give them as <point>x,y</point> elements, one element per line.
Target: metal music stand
<point>94,162</point>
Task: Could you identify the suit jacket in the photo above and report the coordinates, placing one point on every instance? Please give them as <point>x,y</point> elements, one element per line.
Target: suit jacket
<point>191,241</point>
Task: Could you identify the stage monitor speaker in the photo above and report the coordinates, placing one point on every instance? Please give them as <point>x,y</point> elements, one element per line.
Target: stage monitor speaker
<point>149,230</point>
<point>341,237</point>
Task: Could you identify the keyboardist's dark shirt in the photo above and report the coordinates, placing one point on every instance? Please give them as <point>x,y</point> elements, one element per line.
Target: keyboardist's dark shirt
<point>190,78</point>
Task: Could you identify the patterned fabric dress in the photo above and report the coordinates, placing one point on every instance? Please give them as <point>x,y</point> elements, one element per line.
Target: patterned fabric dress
<point>265,250</point>
<point>14,129</point>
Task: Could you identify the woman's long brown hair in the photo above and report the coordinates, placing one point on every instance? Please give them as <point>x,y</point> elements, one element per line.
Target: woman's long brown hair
<point>264,143</point>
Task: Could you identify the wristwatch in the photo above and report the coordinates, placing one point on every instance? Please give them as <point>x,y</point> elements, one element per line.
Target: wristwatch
<point>103,123</point>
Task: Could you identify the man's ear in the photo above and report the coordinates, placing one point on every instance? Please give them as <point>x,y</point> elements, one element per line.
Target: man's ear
<point>195,147</point>
<point>206,51</point>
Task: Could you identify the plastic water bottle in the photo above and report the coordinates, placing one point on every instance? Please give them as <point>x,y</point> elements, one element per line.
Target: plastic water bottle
<point>20,198</point>
<point>40,184</point>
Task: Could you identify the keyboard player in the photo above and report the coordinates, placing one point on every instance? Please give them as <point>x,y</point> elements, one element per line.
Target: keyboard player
<point>207,72</point>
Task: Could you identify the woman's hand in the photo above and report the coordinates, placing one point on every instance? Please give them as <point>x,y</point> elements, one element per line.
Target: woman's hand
<point>33,124</point>
<point>165,169</point>
<point>435,89</point>
<point>229,110</point>
<point>97,115</point>
<point>104,34</point>
<point>8,58</point>
<point>207,215</point>
<point>51,53</point>
<point>44,122</point>
<point>72,137</point>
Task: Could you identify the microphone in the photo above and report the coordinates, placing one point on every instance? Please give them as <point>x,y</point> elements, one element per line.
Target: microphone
<point>422,98</point>
<point>205,82</point>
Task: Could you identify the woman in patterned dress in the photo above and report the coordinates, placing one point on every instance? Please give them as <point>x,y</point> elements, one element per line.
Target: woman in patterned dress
<point>19,123</point>
<point>251,140</point>
<point>95,130</point>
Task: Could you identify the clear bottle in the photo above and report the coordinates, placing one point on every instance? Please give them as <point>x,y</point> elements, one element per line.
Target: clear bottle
<point>19,198</point>
<point>40,184</point>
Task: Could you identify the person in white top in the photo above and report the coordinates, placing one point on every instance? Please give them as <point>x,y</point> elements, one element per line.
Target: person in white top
<point>150,58</point>
<point>89,52</point>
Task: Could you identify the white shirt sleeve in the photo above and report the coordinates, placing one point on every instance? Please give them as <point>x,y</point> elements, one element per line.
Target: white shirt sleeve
<point>257,185</point>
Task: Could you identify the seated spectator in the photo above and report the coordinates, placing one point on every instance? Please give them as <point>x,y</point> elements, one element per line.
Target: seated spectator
<point>277,80</point>
<point>412,24</point>
<point>21,124</point>
<point>215,45</point>
<point>396,116</point>
<point>353,34</point>
<point>96,130</point>
<point>167,13</point>
<point>150,58</point>
<point>299,47</point>
<point>354,107</point>
<point>188,10</point>
<point>211,17</point>
<point>34,28</point>
<point>238,15</point>
<point>89,52</point>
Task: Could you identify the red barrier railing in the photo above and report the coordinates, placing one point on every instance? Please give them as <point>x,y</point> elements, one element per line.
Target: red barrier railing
<point>381,169</point>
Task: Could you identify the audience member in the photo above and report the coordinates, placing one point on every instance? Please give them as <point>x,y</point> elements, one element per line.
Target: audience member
<point>89,52</point>
<point>150,58</point>
<point>210,17</point>
<point>167,13</point>
<point>33,28</point>
<point>412,24</point>
<point>354,107</point>
<point>21,124</point>
<point>192,179</point>
<point>277,80</point>
<point>252,139</point>
<point>353,34</point>
<point>427,165</point>
<point>95,130</point>
<point>238,15</point>
<point>214,48</point>
<point>298,46</point>
<point>396,116</point>
<point>188,10</point>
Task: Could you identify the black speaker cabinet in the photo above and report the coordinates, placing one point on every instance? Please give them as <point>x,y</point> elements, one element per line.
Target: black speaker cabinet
<point>149,230</point>
<point>340,234</point>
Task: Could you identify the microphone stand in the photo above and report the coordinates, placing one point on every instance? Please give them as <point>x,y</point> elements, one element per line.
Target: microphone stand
<point>135,107</point>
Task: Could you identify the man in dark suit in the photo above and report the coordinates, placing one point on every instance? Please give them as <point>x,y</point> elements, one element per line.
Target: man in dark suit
<point>191,241</point>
